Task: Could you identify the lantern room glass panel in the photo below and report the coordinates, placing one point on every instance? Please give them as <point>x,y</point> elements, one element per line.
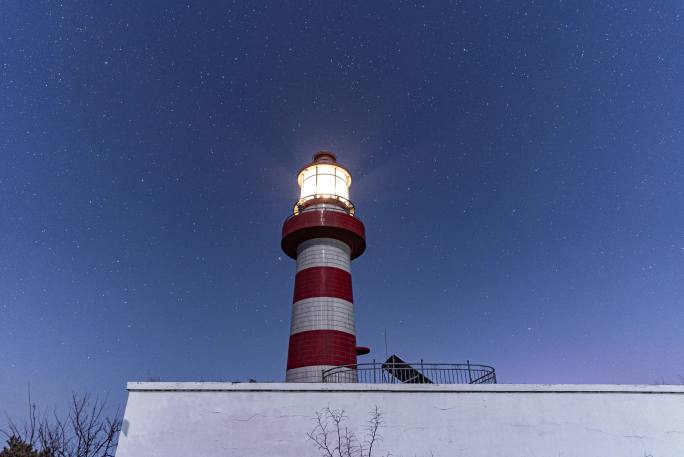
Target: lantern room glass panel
<point>308,185</point>
<point>325,181</point>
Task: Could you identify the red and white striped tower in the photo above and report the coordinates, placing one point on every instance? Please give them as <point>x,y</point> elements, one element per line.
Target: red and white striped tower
<point>323,236</point>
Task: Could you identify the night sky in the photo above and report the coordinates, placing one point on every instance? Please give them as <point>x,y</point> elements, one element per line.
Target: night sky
<point>519,167</point>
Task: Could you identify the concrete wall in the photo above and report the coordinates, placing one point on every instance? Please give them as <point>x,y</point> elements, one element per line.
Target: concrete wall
<point>223,419</point>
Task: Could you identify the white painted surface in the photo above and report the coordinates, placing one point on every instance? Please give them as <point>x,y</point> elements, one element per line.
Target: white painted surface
<point>323,252</point>
<point>223,419</point>
<point>306,374</point>
<point>322,313</point>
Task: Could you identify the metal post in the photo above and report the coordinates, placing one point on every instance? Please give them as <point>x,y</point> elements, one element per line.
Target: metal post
<point>470,376</point>
<point>373,371</point>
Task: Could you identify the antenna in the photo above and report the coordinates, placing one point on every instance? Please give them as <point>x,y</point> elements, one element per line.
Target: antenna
<point>385,342</point>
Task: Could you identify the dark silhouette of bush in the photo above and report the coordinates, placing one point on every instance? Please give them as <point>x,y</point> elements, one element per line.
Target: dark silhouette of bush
<point>16,447</point>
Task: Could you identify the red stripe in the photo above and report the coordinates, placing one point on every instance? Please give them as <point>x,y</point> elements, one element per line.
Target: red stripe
<point>323,282</point>
<point>323,224</point>
<point>321,347</point>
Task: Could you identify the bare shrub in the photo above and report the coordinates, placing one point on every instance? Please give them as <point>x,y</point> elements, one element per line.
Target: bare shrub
<point>333,438</point>
<point>84,432</point>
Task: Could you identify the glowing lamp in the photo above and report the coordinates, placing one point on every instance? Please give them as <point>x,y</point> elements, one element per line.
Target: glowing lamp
<point>324,181</point>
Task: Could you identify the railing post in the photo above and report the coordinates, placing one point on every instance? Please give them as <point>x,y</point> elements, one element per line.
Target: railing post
<point>374,371</point>
<point>470,376</point>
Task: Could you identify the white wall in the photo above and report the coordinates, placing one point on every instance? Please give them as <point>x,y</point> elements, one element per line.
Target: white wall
<point>224,419</point>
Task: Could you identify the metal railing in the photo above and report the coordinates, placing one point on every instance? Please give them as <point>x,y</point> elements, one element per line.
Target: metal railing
<point>312,202</point>
<point>412,373</point>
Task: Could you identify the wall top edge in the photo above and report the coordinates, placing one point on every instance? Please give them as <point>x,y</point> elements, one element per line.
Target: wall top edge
<point>426,388</point>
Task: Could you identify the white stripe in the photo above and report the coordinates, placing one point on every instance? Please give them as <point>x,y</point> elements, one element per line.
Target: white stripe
<point>322,313</point>
<point>314,373</point>
<point>323,252</point>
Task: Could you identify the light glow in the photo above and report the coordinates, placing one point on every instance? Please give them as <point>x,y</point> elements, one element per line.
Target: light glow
<point>326,181</point>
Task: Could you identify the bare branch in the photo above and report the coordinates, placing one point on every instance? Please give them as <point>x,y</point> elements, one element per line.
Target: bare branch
<point>374,424</point>
<point>319,434</point>
<point>337,418</point>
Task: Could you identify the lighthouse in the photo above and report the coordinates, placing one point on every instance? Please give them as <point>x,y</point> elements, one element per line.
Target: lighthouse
<point>323,235</point>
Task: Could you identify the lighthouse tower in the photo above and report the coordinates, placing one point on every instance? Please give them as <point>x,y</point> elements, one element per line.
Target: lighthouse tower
<point>323,236</point>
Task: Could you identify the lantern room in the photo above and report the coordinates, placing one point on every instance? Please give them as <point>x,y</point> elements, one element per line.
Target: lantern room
<point>324,181</point>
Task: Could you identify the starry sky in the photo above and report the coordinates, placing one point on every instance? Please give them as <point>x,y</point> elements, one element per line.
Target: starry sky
<point>519,168</point>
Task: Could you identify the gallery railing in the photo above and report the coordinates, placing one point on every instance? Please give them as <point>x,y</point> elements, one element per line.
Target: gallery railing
<point>324,202</point>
